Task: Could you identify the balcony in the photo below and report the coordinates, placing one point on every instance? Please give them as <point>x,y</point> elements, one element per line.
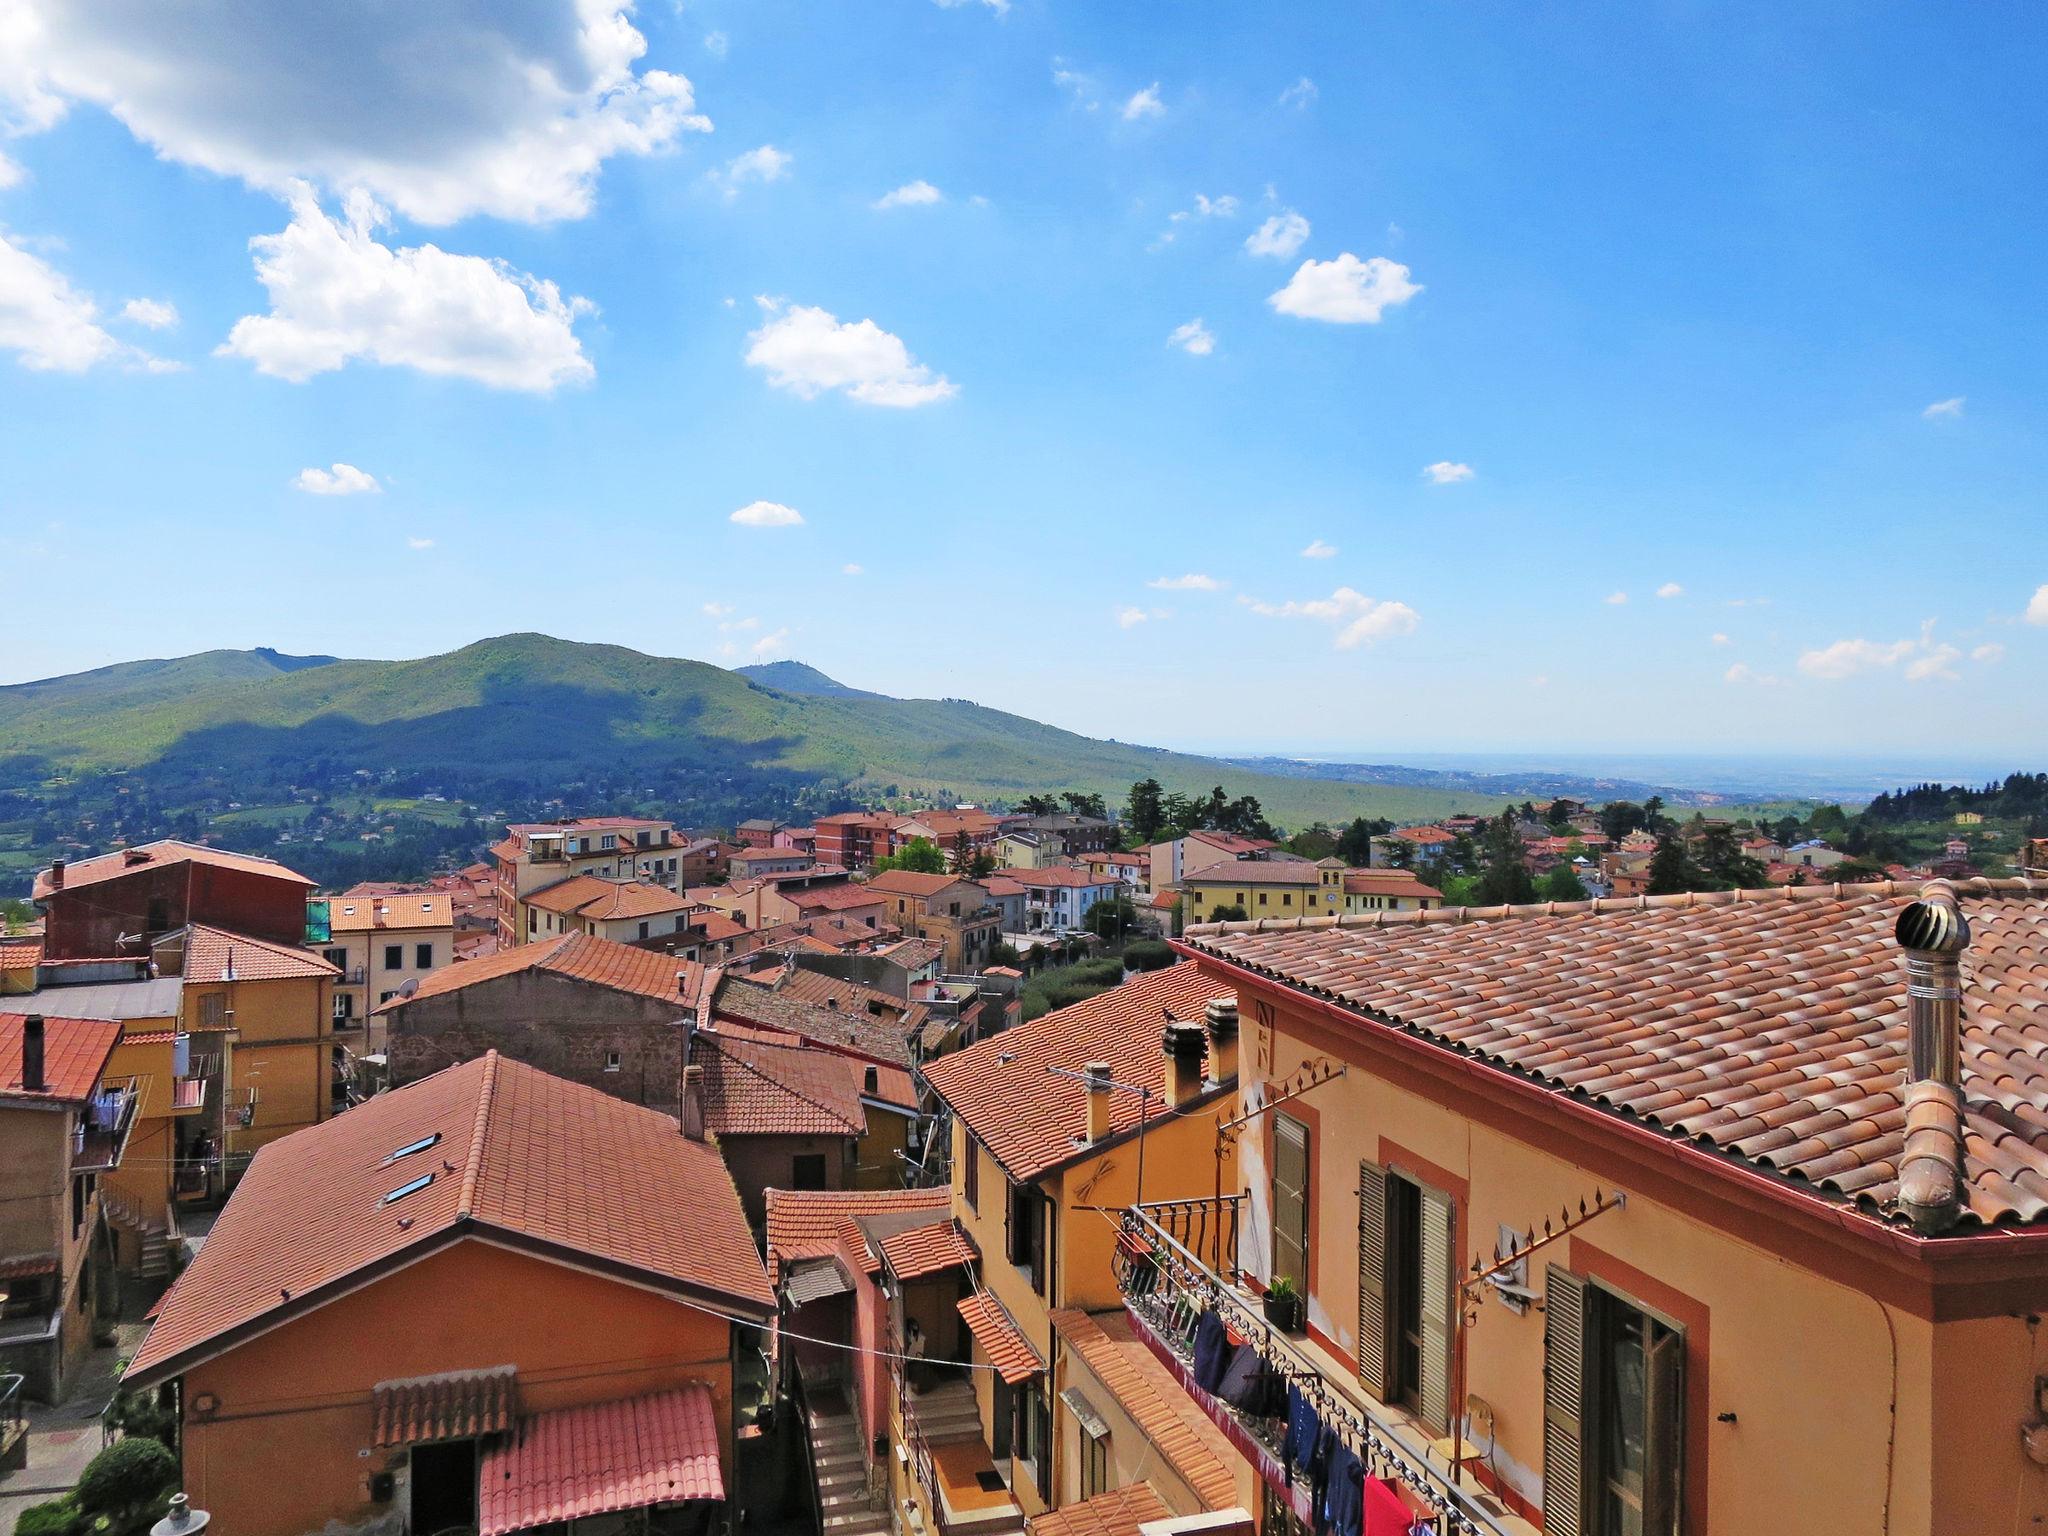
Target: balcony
<point>1177,1260</point>
<point>958,1482</point>
<point>103,1126</point>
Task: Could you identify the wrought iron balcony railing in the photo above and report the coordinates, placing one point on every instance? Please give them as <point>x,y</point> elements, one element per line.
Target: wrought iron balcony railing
<point>1167,1287</point>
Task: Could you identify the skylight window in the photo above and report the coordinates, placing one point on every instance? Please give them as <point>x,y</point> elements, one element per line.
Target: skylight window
<point>411,1147</point>
<point>409,1187</point>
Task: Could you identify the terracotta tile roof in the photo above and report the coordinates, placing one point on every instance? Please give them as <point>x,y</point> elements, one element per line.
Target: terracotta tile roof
<point>1002,885</point>
<point>601,1458</point>
<point>354,913</point>
<point>909,882</point>
<point>75,1053</point>
<point>568,895</point>
<point>808,1223</point>
<point>1182,1434</point>
<point>527,1158</point>
<point>752,1002</point>
<point>23,1267</point>
<point>1423,835</point>
<point>1389,882</point>
<point>1769,1025</point>
<point>1118,1512</point>
<point>158,855</point>
<point>579,957</point>
<point>1255,872</point>
<point>1000,1338</point>
<point>842,897</point>
<point>20,954</point>
<point>1029,1118</point>
<point>634,898</point>
<point>452,1405</point>
<point>893,1085</point>
<point>1230,842</point>
<point>914,954</point>
<point>919,1251</point>
<point>761,1088</point>
<point>831,991</point>
<point>215,955</point>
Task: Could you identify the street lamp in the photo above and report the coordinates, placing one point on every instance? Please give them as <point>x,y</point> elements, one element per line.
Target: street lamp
<point>183,1519</point>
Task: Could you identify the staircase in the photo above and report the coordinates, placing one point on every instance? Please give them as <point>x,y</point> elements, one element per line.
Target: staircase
<point>840,1463</point>
<point>155,1237</point>
<point>947,1413</point>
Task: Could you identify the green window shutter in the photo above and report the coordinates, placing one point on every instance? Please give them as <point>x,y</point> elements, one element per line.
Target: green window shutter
<point>1290,1202</point>
<point>1439,1275</point>
<point>1372,1278</point>
<point>1564,1404</point>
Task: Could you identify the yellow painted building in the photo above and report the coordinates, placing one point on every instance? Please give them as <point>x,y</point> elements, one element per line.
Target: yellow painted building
<point>1264,888</point>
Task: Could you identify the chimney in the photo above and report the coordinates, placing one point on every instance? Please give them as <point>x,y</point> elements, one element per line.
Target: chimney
<point>1097,1073</point>
<point>1222,1017</point>
<point>56,874</point>
<point>32,1054</point>
<point>1183,1045</point>
<point>693,1102</point>
<point>1933,932</point>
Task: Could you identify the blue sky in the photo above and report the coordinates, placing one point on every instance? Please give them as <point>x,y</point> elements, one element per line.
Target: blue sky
<point>1505,315</point>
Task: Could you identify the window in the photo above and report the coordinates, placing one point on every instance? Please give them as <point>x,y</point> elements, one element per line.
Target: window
<point>611,1061</point>
<point>423,957</point>
<point>1095,1459</point>
<point>344,1006</point>
<point>431,1139</point>
<point>1029,1235</point>
<point>394,957</point>
<point>608,842</point>
<point>1290,1202</point>
<point>338,958</point>
<point>807,1171</point>
<point>409,1187</point>
<point>643,930</point>
<point>970,1171</point>
<point>1407,1279</point>
<point>1613,1412</point>
<point>213,1010</point>
<point>532,920</point>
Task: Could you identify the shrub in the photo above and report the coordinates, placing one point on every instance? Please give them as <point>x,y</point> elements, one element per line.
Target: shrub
<point>139,1415</point>
<point>59,1517</point>
<point>126,1478</point>
<point>1147,955</point>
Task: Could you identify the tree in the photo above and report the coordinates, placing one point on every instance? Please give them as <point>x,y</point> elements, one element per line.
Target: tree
<point>1316,842</point>
<point>920,855</point>
<point>1504,879</point>
<point>1085,805</point>
<point>1559,815</point>
<point>1655,822</point>
<point>1724,864</point>
<point>963,850</point>
<point>1671,867</point>
<point>1039,805</point>
<point>1148,955</point>
<point>1244,817</point>
<point>1561,884</point>
<point>1110,919</point>
<point>1400,854</point>
<point>1232,913</point>
<point>981,865</point>
<point>128,1484</point>
<point>1145,809</point>
<point>1618,818</point>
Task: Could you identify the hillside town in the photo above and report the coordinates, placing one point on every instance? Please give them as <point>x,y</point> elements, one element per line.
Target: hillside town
<point>957,1172</point>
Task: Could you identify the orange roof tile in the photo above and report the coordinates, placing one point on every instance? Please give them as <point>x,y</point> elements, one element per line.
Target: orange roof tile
<point>1389,882</point>
<point>893,1085</point>
<point>1182,1434</point>
<point>1000,1338</point>
<point>1769,1025</point>
<point>214,955</point>
<point>398,909</point>
<point>842,1029</point>
<point>843,896</point>
<point>919,1251</point>
<point>806,1223</point>
<point>763,1088</point>
<point>516,1154</point>
<point>75,1053</point>
<point>158,855</point>
<point>21,954</point>
<point>450,1405</point>
<point>910,882</point>
<point>1070,879</point>
<point>602,1458</point>
<point>579,957</point>
<point>1118,1512</point>
<point>1029,1118</point>
<point>1255,872</point>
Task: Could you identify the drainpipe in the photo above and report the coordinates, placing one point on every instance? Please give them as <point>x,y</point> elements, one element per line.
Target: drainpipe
<point>1933,932</point>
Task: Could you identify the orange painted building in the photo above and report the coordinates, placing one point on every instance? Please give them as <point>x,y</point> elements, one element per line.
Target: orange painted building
<point>452,1307</point>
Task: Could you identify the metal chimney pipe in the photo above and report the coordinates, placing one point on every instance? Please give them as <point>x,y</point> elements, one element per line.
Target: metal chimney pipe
<point>1933,933</point>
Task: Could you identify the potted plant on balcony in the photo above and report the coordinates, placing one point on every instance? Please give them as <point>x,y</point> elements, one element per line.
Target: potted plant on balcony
<point>1283,1305</point>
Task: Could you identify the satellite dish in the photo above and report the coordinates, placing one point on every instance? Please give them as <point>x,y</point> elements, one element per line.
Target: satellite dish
<point>409,986</point>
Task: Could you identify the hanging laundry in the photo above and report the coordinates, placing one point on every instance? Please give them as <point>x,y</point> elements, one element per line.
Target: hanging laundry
<point>1212,1351</point>
<point>1386,1512</point>
<point>1244,1379</point>
<point>1343,1505</point>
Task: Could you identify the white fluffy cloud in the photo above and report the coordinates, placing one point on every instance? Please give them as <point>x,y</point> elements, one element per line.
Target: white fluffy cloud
<point>1743,672</point>
<point>501,107</point>
<point>717,44</point>
<point>1671,589</point>
<point>340,480</point>
<point>337,296</point>
<point>1132,616</point>
<point>1318,550</point>
<point>912,194</point>
<point>1193,581</point>
<point>11,173</point>
<point>853,568</point>
<point>1925,658</point>
<point>717,610</point>
<point>419,543</point>
<point>1953,406</point>
<point>767,514</point>
<point>1193,337</point>
<point>1988,653</point>
<point>1281,235</point>
<point>1445,472</point>
<point>1144,104</point>
<point>1934,661</point>
<point>2037,606</point>
<point>771,643</point>
<point>807,351</point>
<point>1000,7</point>
<point>764,164</point>
<point>51,326</point>
<point>1615,599</point>
<point>1358,619</point>
<point>1301,95</point>
<point>151,314</point>
<point>1346,291</point>
<point>1718,638</point>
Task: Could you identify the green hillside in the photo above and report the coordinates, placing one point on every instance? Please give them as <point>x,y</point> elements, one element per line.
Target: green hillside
<point>529,709</point>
